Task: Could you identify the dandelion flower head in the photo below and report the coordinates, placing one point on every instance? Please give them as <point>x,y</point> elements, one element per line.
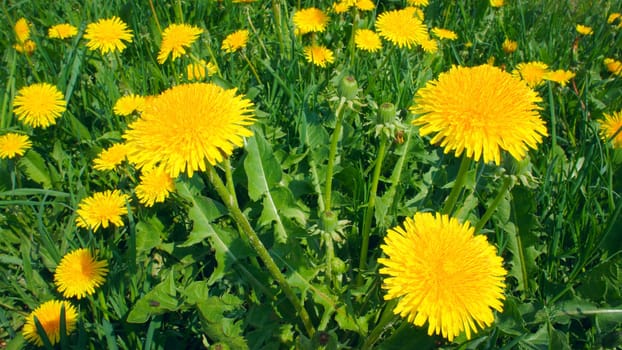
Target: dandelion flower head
<point>12,144</point>
<point>78,274</point>
<point>613,17</point>
<point>365,5</point>
<point>175,39</point>
<point>129,104</point>
<point>531,72</point>
<point>497,3</point>
<point>48,315</point>
<point>402,27</point>
<point>39,105</point>
<point>442,33</point>
<point>27,47</point>
<point>102,209</point>
<point>111,157</point>
<point>509,46</point>
<point>107,35</point>
<point>611,128</point>
<point>584,30</point>
<point>188,126</point>
<point>155,186</point>
<point>367,40</point>
<point>429,45</point>
<point>481,111</point>
<point>22,30</point>
<point>419,3</point>
<point>62,31</point>
<point>613,66</point>
<point>559,76</point>
<point>235,41</point>
<point>443,274</point>
<point>310,20</point>
<point>318,55</point>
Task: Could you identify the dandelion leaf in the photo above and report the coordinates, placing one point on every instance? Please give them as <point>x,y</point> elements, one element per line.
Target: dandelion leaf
<point>161,299</point>
<point>216,324</point>
<point>35,168</point>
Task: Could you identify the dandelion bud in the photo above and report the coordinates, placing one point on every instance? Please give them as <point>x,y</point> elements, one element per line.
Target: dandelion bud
<point>386,113</point>
<point>348,87</point>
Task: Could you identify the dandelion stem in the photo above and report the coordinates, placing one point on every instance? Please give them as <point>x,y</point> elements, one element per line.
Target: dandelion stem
<point>252,68</point>
<point>155,16</point>
<point>450,203</point>
<point>334,139</point>
<point>507,182</point>
<point>261,250</point>
<point>276,12</point>
<point>369,211</point>
<point>553,120</point>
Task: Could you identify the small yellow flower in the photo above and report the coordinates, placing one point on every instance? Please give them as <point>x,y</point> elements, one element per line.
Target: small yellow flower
<point>429,45</point>
<point>22,30</point>
<point>613,17</point>
<point>341,7</point>
<point>402,27</point>
<point>318,55</point>
<point>62,31</point>
<point>559,76</point>
<point>611,128</point>
<point>107,35</point>
<point>39,105</point>
<point>584,30</point>
<point>27,47</point>
<point>418,2</point>
<point>102,209</point>
<point>444,33</point>
<point>198,70</point>
<point>155,186</point>
<point>442,274</point>
<point>13,144</point>
<point>310,20</point>
<point>111,157</point>
<point>614,66</point>
<point>497,3</point>
<point>531,72</point>
<point>367,40</point>
<point>509,46</point>
<point>78,274</point>
<point>128,104</point>
<point>235,41</point>
<point>365,5</point>
<point>48,315</point>
<point>175,39</point>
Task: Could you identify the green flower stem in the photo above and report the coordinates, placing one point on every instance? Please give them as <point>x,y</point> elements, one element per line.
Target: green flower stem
<point>450,203</point>
<point>5,118</point>
<point>553,119</point>
<point>369,212</point>
<point>399,166</point>
<point>276,12</point>
<point>261,250</point>
<point>229,179</point>
<point>252,68</point>
<point>334,139</point>
<point>386,318</point>
<point>507,182</point>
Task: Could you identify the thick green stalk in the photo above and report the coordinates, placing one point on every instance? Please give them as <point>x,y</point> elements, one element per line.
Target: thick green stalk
<point>260,249</point>
<point>507,182</point>
<point>450,203</point>
<point>369,212</point>
<point>334,139</point>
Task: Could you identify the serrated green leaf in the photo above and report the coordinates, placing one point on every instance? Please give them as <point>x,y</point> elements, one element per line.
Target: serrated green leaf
<point>148,234</point>
<point>159,300</point>
<point>35,168</point>
<point>219,327</point>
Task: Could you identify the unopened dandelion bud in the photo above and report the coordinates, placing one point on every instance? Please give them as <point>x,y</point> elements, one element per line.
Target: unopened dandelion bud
<point>386,113</point>
<point>348,87</point>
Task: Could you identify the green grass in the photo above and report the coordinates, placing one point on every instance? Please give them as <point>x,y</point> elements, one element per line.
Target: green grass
<point>183,273</point>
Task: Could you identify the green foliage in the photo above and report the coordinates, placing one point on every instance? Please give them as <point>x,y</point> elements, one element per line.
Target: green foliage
<point>190,273</point>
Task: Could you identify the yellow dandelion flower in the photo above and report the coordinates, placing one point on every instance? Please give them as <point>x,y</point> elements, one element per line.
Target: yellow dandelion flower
<point>128,104</point>
<point>102,209</point>
<point>107,35</point>
<point>442,33</point>
<point>367,40</point>
<point>13,144</point>
<point>613,17</point>
<point>39,105</point>
<point>365,5</point>
<point>111,157</point>
<point>402,27</point>
<point>559,76</point>
<point>27,47</point>
<point>235,41</point>
<point>188,126</point>
<point>509,46</point>
<point>442,274</point>
<point>584,30</point>
<point>613,66</point>
<point>62,31</point>
<point>318,55</point>
<point>341,7</point>
<point>198,70</point>
<point>429,45</point>
<point>418,2</point>
<point>175,39</point>
<point>310,20</point>
<point>78,274</point>
<point>22,30</point>
<point>611,128</point>
<point>531,72</point>
<point>497,3</point>
<point>155,186</point>
<point>481,111</point>
<point>48,315</point>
